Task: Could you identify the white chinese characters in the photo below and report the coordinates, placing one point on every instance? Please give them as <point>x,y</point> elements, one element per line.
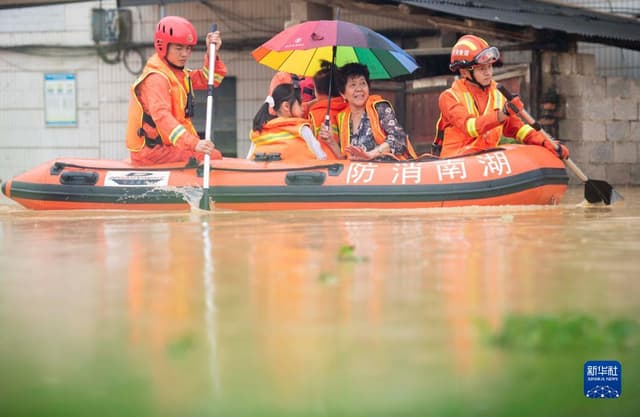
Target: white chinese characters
<point>495,163</point>
<point>360,173</point>
<point>407,173</point>
<point>452,169</point>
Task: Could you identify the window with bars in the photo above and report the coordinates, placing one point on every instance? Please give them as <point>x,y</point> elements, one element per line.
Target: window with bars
<point>223,127</point>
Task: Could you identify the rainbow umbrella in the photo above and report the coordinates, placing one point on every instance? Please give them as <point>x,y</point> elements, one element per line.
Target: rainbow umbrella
<point>300,49</point>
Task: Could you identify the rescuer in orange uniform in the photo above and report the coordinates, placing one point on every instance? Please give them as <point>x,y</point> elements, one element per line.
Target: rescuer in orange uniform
<point>473,113</point>
<point>159,128</point>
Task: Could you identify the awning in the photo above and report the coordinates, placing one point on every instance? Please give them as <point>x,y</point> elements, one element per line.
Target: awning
<point>582,24</point>
<point>15,4</point>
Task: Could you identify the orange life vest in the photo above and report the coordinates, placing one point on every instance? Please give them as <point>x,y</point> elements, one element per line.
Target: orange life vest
<point>455,141</point>
<point>179,94</point>
<point>282,135</point>
<point>317,114</point>
<point>379,135</point>
<point>469,138</point>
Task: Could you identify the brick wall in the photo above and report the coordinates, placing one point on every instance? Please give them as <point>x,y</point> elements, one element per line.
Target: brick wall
<point>599,117</point>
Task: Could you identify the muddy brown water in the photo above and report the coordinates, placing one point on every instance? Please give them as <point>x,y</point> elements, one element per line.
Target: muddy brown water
<point>470,311</point>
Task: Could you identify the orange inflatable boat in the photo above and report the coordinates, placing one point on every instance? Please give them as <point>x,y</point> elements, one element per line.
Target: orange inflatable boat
<point>511,175</point>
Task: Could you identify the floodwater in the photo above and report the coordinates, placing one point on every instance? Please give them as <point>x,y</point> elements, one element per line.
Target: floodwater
<point>439,312</point>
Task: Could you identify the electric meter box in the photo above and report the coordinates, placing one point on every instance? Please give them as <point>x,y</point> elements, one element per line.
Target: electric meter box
<point>112,25</point>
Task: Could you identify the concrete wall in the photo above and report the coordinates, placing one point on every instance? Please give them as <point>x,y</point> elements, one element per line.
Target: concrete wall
<point>599,117</point>
<point>25,140</point>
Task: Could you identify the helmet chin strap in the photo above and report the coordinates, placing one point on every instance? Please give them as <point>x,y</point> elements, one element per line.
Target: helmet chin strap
<point>172,65</point>
<point>474,81</point>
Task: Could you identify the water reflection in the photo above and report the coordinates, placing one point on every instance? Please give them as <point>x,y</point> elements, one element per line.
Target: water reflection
<point>325,312</point>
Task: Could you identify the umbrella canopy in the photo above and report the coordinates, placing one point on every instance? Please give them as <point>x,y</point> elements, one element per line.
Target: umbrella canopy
<point>300,49</point>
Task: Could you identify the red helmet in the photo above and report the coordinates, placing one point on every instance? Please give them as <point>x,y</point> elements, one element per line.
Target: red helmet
<point>472,50</point>
<point>173,29</point>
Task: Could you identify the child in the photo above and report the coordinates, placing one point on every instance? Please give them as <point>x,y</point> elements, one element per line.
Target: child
<point>287,133</point>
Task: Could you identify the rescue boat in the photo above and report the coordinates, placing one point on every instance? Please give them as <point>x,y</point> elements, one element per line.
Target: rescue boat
<point>510,175</point>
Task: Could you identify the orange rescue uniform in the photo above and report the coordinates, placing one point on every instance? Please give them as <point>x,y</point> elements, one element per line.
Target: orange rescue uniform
<point>159,128</point>
<point>469,122</point>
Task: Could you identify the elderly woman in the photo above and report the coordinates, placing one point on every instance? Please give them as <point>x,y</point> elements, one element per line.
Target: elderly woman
<point>368,128</point>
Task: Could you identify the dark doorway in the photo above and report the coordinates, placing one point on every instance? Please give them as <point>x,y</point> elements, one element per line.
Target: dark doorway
<point>223,131</point>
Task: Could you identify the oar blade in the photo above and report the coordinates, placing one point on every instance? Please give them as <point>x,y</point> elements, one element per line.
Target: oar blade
<point>596,191</point>
<point>205,200</point>
<point>615,196</point>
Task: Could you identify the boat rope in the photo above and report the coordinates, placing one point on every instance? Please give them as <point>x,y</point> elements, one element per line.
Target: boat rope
<point>60,166</point>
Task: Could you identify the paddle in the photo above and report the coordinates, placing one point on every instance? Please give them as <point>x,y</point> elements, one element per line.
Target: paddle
<point>204,200</point>
<point>595,191</point>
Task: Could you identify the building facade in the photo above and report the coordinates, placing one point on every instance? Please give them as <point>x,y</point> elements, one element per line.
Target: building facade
<point>65,75</point>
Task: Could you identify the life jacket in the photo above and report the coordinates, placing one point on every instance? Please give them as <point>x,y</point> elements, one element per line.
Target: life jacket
<point>141,128</point>
<point>470,137</point>
<point>379,135</point>
<point>317,114</point>
<point>282,135</point>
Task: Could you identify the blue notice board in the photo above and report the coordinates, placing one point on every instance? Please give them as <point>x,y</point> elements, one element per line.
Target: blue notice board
<point>60,99</point>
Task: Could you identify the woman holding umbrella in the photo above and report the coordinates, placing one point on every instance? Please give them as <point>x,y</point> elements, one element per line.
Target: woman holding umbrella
<point>300,49</point>
<point>368,129</point>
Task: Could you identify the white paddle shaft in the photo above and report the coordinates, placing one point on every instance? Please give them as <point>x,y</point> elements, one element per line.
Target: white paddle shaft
<point>207,131</point>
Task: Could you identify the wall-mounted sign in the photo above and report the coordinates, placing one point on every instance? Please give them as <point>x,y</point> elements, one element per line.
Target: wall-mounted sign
<point>60,99</point>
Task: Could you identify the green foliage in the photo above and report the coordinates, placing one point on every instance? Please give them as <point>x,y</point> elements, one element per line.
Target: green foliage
<point>569,332</point>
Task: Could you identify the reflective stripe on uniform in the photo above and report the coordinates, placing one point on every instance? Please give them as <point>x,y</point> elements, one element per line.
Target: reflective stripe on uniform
<point>176,133</point>
<point>471,105</point>
<point>217,78</point>
<point>471,109</point>
<point>523,132</point>
<point>471,127</point>
<point>498,100</point>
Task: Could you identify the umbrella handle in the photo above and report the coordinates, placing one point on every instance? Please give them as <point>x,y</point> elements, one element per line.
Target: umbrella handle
<point>331,68</point>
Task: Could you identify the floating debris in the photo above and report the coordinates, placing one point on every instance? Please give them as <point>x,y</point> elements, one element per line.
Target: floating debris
<point>328,278</point>
<point>346,253</point>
